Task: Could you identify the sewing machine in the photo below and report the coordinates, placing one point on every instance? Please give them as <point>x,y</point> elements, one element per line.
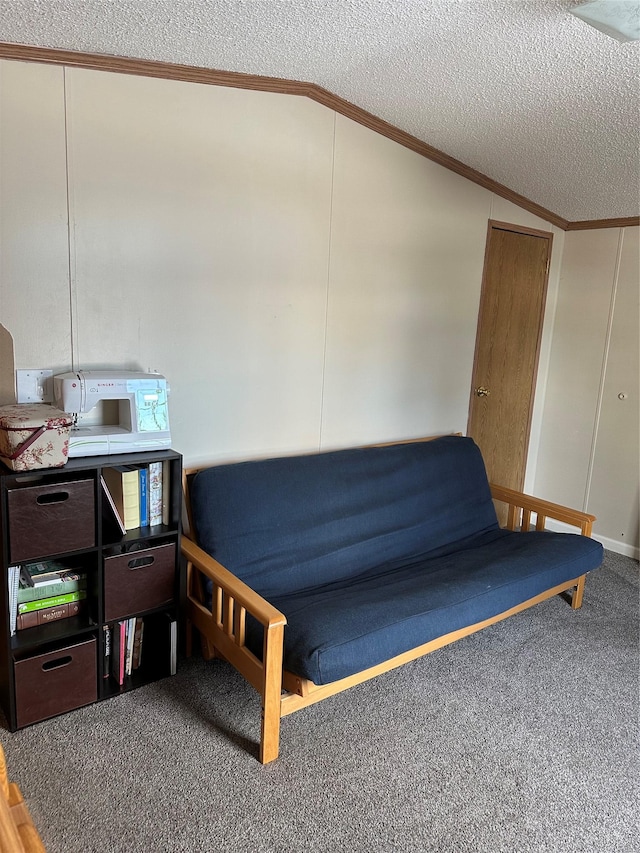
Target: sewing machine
<point>114,411</point>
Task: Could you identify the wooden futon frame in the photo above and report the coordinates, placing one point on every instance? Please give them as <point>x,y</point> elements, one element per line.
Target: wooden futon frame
<point>222,627</point>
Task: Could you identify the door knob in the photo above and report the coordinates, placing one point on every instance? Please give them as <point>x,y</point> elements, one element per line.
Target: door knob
<point>482,392</point>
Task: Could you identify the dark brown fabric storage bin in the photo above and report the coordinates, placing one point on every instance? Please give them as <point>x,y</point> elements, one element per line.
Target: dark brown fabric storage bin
<point>56,682</point>
<point>139,580</point>
<point>50,519</point>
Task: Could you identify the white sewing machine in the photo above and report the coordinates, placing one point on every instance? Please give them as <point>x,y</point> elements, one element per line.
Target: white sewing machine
<point>131,408</point>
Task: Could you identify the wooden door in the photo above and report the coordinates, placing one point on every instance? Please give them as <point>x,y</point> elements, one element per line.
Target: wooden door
<point>512,303</point>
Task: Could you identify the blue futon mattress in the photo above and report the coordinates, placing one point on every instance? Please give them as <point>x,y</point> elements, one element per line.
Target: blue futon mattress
<point>335,631</point>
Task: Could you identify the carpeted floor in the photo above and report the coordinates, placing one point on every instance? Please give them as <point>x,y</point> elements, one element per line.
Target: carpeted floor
<point>522,739</point>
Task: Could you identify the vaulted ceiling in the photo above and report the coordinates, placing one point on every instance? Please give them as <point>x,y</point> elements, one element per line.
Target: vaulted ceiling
<point>519,90</point>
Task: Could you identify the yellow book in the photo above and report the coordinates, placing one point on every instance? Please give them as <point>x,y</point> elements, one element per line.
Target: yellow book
<point>124,485</point>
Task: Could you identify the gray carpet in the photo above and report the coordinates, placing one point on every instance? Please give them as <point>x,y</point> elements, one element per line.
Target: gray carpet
<point>521,738</point>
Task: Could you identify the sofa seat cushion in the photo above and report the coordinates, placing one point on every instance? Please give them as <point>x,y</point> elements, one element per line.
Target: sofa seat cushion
<point>297,523</point>
<point>339,629</point>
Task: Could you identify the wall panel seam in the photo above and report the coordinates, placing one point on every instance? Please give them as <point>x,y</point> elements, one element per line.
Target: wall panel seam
<point>70,236</point>
<point>328,284</point>
<point>603,371</point>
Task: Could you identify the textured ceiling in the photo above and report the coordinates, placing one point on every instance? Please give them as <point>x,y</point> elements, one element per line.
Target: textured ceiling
<point>519,90</point>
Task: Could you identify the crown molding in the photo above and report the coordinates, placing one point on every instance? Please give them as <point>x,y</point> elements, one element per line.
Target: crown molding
<point>237,80</point>
<point>586,224</point>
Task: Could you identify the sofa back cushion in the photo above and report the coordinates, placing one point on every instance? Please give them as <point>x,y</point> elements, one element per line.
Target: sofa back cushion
<point>295,523</point>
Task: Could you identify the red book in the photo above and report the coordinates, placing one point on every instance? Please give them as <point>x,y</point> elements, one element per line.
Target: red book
<point>118,651</point>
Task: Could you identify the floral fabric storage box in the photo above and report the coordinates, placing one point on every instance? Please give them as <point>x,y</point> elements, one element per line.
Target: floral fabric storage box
<point>33,435</point>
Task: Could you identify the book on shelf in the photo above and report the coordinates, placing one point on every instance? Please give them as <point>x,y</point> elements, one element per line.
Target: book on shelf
<point>13,580</point>
<point>166,492</point>
<point>64,574</point>
<point>60,582</point>
<point>124,645</point>
<point>173,644</point>
<point>42,571</point>
<point>115,512</point>
<point>51,601</point>
<point>123,482</point>
<point>137,643</point>
<point>143,477</point>
<point>106,660</point>
<point>155,492</point>
<point>45,615</point>
<point>118,651</point>
<point>131,628</point>
<point>151,503</point>
<point>123,648</point>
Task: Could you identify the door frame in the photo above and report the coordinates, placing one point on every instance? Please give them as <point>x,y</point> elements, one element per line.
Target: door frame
<point>494,224</point>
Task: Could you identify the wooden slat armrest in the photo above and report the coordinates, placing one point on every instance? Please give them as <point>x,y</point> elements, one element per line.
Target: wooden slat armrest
<point>248,598</point>
<point>544,509</point>
<point>223,627</point>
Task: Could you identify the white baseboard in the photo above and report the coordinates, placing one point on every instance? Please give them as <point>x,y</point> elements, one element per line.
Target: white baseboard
<point>619,547</point>
<point>608,544</point>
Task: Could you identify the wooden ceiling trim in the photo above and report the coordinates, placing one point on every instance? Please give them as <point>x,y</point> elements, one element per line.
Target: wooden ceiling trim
<point>149,68</point>
<point>237,80</point>
<point>586,224</point>
<point>371,121</point>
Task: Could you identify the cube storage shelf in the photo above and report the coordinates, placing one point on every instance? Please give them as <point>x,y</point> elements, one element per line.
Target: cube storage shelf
<point>63,514</point>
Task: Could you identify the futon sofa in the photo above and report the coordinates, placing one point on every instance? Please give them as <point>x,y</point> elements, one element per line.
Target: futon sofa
<point>313,573</point>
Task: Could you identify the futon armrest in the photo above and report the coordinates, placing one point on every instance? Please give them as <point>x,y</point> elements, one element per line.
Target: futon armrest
<point>522,506</point>
<point>236,589</point>
<point>222,628</point>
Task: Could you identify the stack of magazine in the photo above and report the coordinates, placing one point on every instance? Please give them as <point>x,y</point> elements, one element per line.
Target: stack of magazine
<point>44,592</point>
<point>123,643</point>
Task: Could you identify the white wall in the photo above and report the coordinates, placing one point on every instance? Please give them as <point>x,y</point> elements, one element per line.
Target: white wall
<point>302,281</point>
<point>589,450</point>
<point>201,236</point>
<point>34,255</point>
<point>407,248</point>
